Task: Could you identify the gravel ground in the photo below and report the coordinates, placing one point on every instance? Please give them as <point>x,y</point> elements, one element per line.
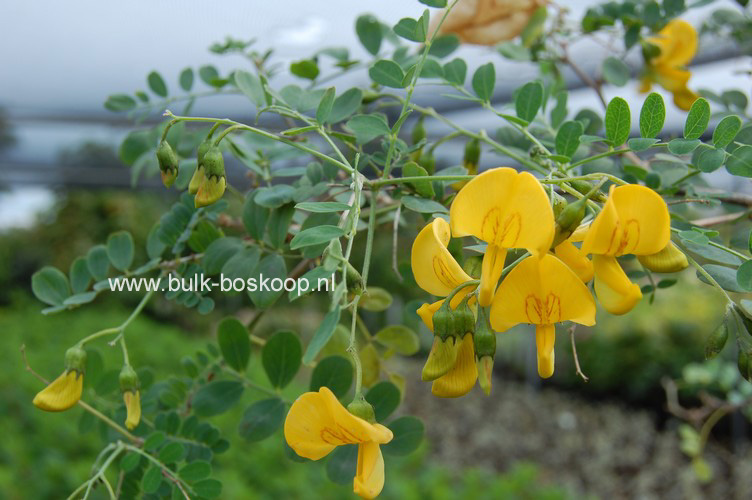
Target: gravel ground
<point>595,449</point>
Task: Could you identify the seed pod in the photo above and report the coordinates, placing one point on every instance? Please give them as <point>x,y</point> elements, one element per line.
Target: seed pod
<point>668,260</point>
<point>168,163</point>
<point>212,185</point>
<point>362,409</point>
<point>716,341</point>
<point>75,359</point>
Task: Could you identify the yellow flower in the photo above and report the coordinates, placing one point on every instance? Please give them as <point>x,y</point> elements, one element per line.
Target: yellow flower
<point>132,401</point>
<point>487,22</point>
<point>317,423</point>
<point>677,43</point>
<point>506,209</point>
<point>634,220</point>
<point>451,362</point>
<point>542,291</point>
<point>62,393</point>
<point>65,391</point>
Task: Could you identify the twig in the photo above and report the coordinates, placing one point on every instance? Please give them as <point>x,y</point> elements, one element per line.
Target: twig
<point>395,237</point>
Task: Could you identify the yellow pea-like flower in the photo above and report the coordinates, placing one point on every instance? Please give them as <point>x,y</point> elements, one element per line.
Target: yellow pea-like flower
<point>317,423</point>
<point>65,391</point>
<point>634,220</point>
<point>132,401</point>
<point>62,393</point>
<point>542,291</point>
<point>461,378</point>
<point>506,209</point>
<point>677,43</point>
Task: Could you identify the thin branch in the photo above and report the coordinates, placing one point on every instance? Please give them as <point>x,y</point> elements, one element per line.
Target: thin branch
<point>577,368</point>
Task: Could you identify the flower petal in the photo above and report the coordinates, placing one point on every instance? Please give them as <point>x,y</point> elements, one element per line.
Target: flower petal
<point>306,425</point>
<point>684,98</point>
<point>615,292</point>
<point>504,208</point>
<point>62,393</point>
<point>635,220</point>
<point>461,378</point>
<point>668,260</point>
<point>545,336</point>
<point>678,43</point>
<point>132,401</point>
<point>369,472</point>
<point>575,259</point>
<point>541,291</point>
<point>434,268</point>
<point>493,265</point>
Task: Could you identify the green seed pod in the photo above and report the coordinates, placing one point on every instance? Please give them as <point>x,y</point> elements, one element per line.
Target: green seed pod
<point>129,379</point>
<point>472,266</point>
<point>716,341</point>
<point>75,359</point>
<point>168,163</point>
<point>569,220</point>
<point>472,156</point>
<point>212,185</point>
<point>362,409</point>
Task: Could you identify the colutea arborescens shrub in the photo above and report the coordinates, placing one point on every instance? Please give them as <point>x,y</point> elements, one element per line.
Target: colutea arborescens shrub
<point>540,239</point>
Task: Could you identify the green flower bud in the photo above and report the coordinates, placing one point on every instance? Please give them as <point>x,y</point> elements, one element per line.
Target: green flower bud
<point>362,409</point>
<point>716,341</point>
<point>75,360</point>
<point>354,280</point>
<point>569,220</point>
<point>559,203</point>
<point>442,357</point>
<point>198,174</point>
<point>428,161</point>
<point>419,131</point>
<point>212,186</point>
<point>168,163</point>
<point>129,379</point>
<point>472,156</point>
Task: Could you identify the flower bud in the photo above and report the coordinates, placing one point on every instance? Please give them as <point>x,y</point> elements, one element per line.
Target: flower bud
<point>419,131</point>
<point>668,260</point>
<point>362,409</point>
<point>441,358</point>
<point>472,156</point>
<point>198,174</point>
<point>75,359</point>
<point>485,350</point>
<point>428,161</point>
<point>569,220</point>
<point>212,186</point>
<point>716,341</point>
<point>168,163</point>
<point>354,279</point>
<point>559,203</point>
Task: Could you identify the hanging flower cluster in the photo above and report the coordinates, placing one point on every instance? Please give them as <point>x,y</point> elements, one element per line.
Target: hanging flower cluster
<point>506,209</point>
<point>677,43</point>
